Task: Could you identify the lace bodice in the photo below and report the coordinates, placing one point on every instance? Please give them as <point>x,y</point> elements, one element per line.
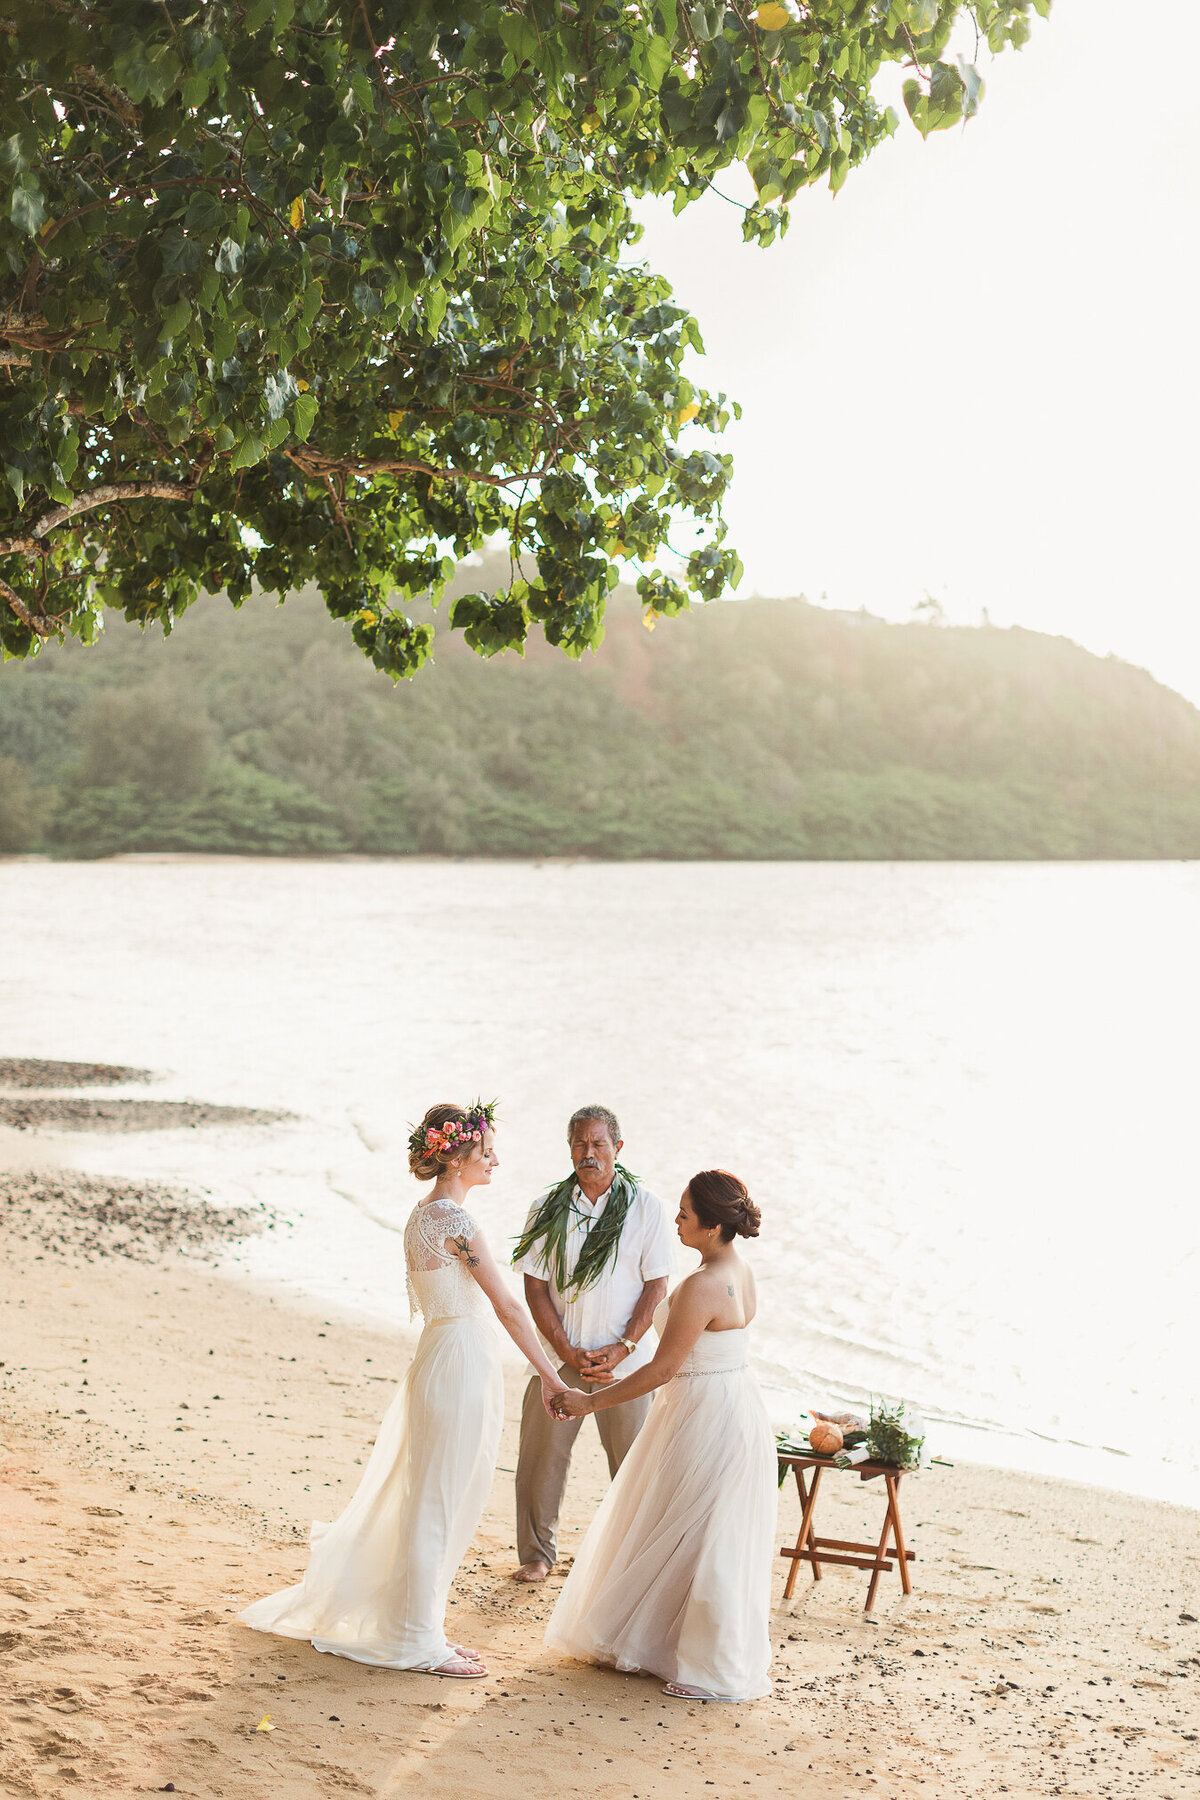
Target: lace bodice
<point>440,1286</point>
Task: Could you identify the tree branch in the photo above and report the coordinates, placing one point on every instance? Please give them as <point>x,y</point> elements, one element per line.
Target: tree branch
<point>38,623</point>
<point>29,544</point>
<point>312,462</point>
<point>106,493</point>
<point>118,102</point>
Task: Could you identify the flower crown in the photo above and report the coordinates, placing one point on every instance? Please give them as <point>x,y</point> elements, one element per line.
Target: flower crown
<point>454,1134</point>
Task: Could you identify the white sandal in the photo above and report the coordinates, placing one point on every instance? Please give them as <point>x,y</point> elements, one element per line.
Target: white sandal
<point>464,1674</point>
<point>678,1692</point>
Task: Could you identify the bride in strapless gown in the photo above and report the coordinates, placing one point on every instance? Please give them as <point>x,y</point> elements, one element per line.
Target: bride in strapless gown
<point>378,1578</point>
<point>674,1576</point>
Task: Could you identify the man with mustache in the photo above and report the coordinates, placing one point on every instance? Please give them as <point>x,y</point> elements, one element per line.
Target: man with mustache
<point>595,1253</point>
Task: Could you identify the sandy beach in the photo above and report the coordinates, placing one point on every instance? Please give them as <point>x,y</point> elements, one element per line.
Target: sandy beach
<point>170,1428</point>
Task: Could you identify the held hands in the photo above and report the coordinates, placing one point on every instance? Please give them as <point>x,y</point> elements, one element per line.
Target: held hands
<point>572,1403</point>
<point>552,1393</point>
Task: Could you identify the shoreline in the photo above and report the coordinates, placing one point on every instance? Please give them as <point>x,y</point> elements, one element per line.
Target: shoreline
<point>533,860</point>
<point>170,1428</point>
<point>51,1121</point>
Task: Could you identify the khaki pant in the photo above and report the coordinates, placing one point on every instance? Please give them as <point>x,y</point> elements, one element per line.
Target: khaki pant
<point>545,1456</point>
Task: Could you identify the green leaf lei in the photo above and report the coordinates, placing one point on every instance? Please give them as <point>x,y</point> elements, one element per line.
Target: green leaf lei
<point>552,1221</point>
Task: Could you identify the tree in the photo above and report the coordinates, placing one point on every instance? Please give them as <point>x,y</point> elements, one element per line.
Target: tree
<point>301,292</point>
<point>20,811</point>
<point>151,736</point>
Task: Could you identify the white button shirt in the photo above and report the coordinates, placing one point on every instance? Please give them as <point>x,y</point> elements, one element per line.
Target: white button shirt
<point>600,1314</point>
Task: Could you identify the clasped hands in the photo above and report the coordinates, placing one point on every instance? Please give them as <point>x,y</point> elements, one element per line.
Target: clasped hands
<point>597,1366</point>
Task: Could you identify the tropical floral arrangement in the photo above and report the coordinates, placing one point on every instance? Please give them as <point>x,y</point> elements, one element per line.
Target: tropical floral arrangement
<point>895,1435</point>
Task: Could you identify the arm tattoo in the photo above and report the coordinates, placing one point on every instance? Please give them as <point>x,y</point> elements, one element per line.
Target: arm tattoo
<point>472,1262</point>
<point>729,1291</point>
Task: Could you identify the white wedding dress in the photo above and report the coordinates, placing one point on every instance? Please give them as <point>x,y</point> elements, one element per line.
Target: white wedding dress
<point>377,1579</point>
<point>674,1575</point>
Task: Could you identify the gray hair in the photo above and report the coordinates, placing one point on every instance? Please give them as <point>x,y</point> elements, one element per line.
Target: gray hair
<point>595,1112</point>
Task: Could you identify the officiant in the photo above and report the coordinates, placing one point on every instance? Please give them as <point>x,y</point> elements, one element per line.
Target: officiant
<point>595,1254</point>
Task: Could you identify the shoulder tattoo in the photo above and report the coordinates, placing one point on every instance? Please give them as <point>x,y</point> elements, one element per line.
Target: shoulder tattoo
<point>464,1250</point>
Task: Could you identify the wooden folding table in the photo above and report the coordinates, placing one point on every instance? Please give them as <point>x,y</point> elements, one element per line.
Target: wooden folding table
<point>816,1550</point>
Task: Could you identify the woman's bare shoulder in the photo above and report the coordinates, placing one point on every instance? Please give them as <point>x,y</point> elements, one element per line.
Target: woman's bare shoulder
<point>693,1289</point>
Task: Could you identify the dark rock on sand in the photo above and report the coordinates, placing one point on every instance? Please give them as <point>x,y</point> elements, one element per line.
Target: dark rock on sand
<point>69,1113</point>
<point>88,1215</point>
<point>32,1072</point>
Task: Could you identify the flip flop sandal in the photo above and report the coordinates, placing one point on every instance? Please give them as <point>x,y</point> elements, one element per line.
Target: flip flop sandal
<point>677,1692</point>
<point>450,1674</point>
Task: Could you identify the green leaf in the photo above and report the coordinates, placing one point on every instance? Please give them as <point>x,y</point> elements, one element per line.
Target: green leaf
<point>248,452</point>
<point>972,88</point>
<point>175,318</point>
<point>204,213</point>
<point>520,38</point>
<point>27,210</point>
<point>921,15</point>
<point>657,60</point>
<point>942,106</point>
<point>304,414</point>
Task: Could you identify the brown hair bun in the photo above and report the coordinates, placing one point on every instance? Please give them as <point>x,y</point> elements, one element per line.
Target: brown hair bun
<point>719,1198</point>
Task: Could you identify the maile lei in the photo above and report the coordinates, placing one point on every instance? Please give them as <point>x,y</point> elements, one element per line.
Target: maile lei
<point>552,1221</point>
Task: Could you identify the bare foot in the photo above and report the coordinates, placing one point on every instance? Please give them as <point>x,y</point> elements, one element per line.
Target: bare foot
<point>534,1571</point>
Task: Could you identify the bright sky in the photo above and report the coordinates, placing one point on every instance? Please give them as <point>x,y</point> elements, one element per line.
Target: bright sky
<point>975,373</point>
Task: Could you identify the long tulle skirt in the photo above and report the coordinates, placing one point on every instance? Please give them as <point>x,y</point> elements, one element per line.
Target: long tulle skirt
<point>377,1579</point>
<point>674,1576</point>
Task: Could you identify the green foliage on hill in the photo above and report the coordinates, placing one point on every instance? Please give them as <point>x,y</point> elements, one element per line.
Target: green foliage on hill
<point>760,729</point>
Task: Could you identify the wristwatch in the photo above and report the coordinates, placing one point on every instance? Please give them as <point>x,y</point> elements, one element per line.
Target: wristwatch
<point>629,1344</point>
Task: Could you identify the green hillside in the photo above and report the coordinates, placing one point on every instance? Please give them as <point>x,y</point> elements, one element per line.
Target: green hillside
<point>762,729</point>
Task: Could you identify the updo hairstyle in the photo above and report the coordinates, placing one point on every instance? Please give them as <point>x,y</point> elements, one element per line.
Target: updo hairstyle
<point>427,1164</point>
<point>719,1198</point>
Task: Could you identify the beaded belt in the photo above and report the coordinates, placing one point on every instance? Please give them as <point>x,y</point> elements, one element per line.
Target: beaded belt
<point>690,1374</point>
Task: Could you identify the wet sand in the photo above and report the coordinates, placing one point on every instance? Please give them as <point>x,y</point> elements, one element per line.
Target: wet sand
<point>70,1112</point>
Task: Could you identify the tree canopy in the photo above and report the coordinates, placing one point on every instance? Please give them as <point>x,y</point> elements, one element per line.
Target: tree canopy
<point>296,292</point>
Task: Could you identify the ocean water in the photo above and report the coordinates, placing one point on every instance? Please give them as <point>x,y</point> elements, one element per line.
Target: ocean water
<point>963,1095</point>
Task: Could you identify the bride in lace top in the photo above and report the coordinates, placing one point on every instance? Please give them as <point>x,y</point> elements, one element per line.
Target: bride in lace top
<point>378,1578</point>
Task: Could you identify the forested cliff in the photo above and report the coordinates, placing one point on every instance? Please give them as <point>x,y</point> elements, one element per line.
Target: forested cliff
<point>758,729</point>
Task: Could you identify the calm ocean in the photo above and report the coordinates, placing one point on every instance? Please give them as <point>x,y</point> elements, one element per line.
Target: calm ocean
<point>963,1094</point>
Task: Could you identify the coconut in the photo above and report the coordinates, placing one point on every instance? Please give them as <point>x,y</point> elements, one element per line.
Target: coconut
<point>825,1437</point>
